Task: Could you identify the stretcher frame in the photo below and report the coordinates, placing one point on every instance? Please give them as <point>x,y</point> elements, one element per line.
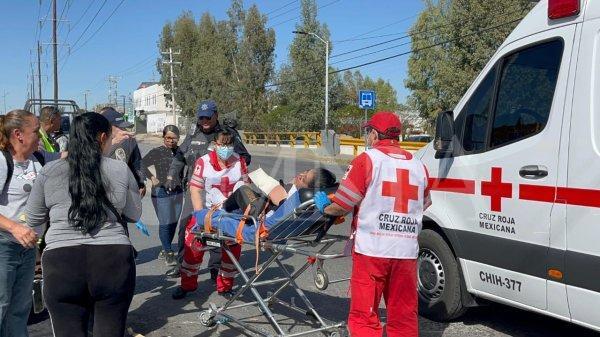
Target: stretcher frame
<point>293,245</point>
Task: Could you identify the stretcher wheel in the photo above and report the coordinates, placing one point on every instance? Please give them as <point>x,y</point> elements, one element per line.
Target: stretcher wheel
<point>339,333</point>
<point>321,279</point>
<point>206,319</point>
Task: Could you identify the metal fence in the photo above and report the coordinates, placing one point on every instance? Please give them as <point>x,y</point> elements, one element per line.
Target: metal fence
<point>358,142</point>
<point>293,139</point>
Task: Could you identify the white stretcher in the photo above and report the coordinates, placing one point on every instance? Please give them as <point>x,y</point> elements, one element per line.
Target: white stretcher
<point>303,232</point>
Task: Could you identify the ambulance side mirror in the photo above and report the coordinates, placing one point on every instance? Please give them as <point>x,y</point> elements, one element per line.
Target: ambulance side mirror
<point>444,132</point>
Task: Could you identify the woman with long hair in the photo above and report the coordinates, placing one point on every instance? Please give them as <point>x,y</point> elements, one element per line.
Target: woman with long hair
<point>167,204</point>
<point>88,263</point>
<point>19,168</point>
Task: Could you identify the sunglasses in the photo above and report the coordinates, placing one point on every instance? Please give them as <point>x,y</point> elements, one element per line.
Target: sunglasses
<point>203,118</point>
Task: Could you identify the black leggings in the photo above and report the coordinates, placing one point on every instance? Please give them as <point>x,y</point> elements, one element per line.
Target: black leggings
<point>89,279</point>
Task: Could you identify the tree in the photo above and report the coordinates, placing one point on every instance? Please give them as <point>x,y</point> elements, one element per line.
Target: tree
<point>229,61</point>
<point>452,40</point>
<point>180,35</point>
<point>305,74</point>
<point>347,118</point>
<point>253,65</point>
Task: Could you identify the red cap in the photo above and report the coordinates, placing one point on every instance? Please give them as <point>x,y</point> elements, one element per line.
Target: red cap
<point>385,122</point>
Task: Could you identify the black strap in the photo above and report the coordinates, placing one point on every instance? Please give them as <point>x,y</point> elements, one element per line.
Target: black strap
<point>120,219</point>
<point>40,158</point>
<point>9,165</point>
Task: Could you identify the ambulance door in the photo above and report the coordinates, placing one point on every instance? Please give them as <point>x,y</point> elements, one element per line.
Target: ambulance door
<point>582,193</point>
<point>508,131</point>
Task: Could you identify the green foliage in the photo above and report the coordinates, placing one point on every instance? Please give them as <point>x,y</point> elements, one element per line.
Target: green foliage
<point>232,61</point>
<point>438,76</point>
<point>229,61</point>
<point>348,118</point>
<point>306,98</point>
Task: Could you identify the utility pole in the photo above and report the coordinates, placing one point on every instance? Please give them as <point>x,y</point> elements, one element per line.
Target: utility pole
<point>55,51</point>
<point>123,97</point>
<point>171,63</point>
<point>39,70</point>
<point>4,99</point>
<point>113,83</point>
<point>85,94</point>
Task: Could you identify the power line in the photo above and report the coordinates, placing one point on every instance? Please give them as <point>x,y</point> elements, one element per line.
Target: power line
<point>426,47</point>
<point>371,53</point>
<point>44,21</point>
<point>282,7</point>
<point>395,55</point>
<point>90,23</point>
<point>284,13</point>
<point>82,15</point>
<point>379,28</point>
<point>102,25</point>
<point>136,65</point>
<point>95,32</point>
<point>294,18</point>
<point>412,34</point>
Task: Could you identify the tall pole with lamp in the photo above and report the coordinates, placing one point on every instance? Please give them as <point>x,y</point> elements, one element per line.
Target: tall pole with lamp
<point>326,74</point>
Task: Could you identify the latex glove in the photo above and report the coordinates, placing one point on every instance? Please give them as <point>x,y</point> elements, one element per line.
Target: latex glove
<point>321,201</point>
<point>142,228</point>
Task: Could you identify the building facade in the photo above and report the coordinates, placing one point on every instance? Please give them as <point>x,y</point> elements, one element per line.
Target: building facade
<point>149,100</point>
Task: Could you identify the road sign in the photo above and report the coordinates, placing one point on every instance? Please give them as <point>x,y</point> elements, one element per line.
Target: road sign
<point>367,99</point>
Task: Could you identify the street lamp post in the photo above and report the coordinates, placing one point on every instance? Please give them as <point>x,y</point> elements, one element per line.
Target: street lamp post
<point>326,74</point>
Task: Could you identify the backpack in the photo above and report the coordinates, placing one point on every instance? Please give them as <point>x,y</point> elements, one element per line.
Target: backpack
<point>10,165</point>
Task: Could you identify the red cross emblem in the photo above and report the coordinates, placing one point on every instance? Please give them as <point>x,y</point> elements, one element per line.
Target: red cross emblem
<point>496,189</point>
<point>225,187</point>
<point>401,190</point>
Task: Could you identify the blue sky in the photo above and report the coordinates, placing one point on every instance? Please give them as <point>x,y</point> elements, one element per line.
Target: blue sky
<point>127,43</point>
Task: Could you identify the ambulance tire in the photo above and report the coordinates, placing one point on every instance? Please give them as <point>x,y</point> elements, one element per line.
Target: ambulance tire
<point>439,279</point>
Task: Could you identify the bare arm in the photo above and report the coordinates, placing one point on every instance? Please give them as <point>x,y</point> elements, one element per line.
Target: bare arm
<point>196,196</point>
<point>24,234</point>
<point>336,210</point>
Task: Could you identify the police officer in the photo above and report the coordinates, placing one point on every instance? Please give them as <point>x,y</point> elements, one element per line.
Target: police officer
<point>193,147</point>
<point>126,149</point>
<point>388,189</point>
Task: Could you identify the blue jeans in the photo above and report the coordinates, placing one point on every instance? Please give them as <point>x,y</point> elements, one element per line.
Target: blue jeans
<point>167,208</point>
<point>16,279</point>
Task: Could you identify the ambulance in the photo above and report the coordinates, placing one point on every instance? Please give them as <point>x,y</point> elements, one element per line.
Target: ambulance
<point>515,177</point>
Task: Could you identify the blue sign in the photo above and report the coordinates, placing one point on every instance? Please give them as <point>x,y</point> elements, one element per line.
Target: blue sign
<point>367,99</point>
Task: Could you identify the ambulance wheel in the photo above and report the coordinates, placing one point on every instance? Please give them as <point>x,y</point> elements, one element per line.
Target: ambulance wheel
<point>206,319</point>
<point>321,279</point>
<point>439,279</point>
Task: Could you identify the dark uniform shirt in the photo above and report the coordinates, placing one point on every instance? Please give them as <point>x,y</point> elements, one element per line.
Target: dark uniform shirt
<point>129,152</point>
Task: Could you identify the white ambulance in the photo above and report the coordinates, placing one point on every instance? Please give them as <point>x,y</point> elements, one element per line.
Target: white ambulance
<point>515,173</point>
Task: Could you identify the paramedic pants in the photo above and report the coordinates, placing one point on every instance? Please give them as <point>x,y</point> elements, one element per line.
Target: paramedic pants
<point>214,259</point>
<point>193,253</point>
<point>396,280</point>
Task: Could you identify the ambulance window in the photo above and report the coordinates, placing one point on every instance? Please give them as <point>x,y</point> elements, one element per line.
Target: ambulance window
<point>475,114</point>
<point>527,82</point>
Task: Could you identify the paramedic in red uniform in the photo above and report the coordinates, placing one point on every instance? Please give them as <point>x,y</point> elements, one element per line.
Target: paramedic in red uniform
<point>216,174</point>
<point>387,188</point>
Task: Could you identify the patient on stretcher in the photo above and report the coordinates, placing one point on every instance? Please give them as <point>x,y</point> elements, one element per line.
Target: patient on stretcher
<point>264,197</point>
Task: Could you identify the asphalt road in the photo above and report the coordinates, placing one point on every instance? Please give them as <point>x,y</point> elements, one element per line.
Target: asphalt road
<point>154,314</point>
